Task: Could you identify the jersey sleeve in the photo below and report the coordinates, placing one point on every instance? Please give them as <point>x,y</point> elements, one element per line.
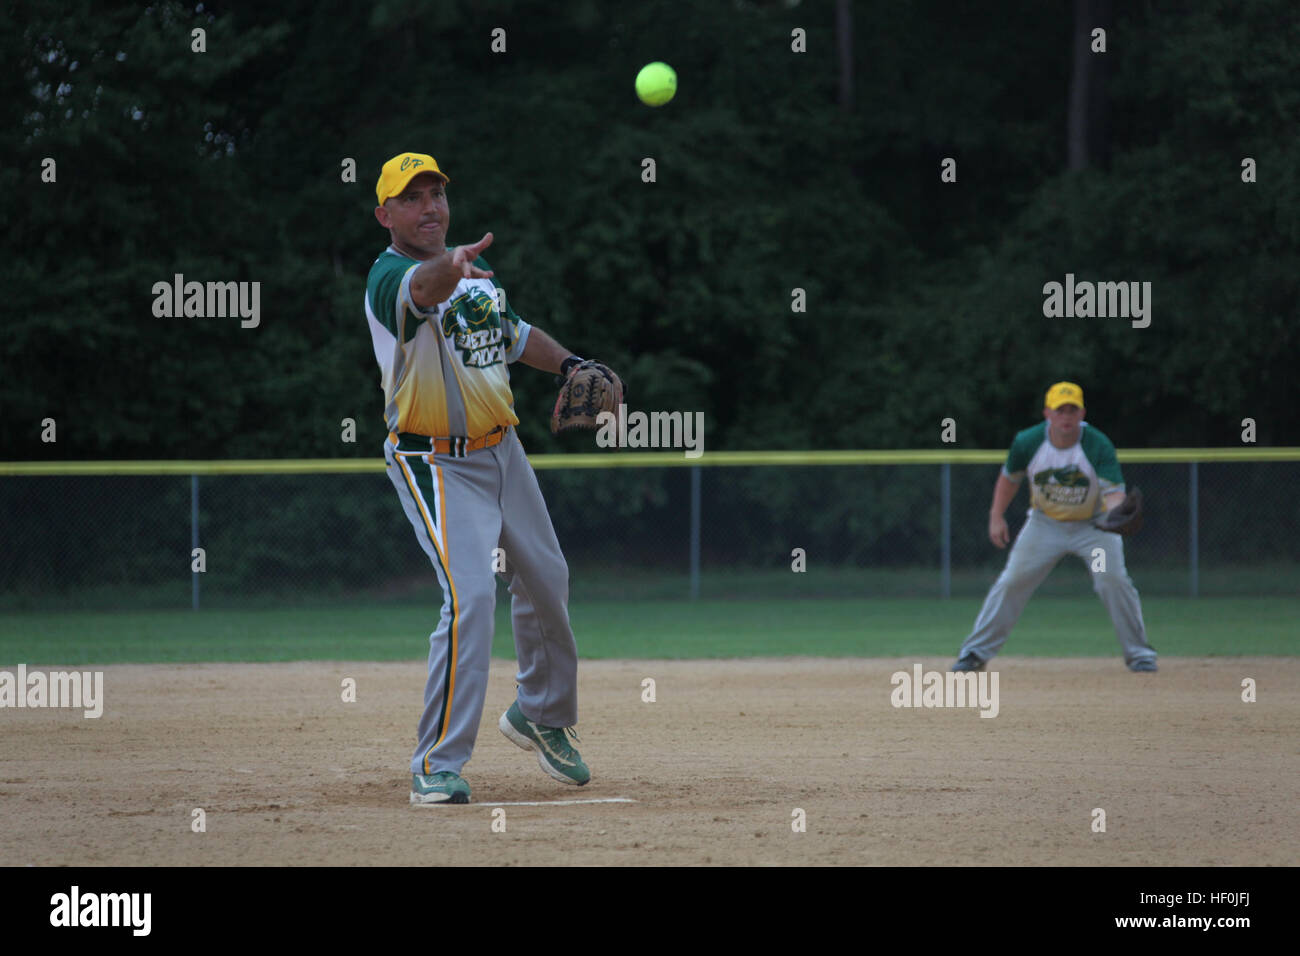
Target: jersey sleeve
<point>514,329</point>
<point>390,282</point>
<point>404,294</point>
<point>1022,450</point>
<point>381,292</point>
<point>1104,461</point>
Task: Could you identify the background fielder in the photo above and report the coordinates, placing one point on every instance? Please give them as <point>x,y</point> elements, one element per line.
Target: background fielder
<point>1075,476</point>
<point>443,346</point>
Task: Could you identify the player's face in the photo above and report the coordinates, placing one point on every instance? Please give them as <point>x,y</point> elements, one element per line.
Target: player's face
<point>418,217</point>
<point>1064,420</point>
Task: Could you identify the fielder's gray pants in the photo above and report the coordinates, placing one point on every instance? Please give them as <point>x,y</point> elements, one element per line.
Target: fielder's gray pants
<point>462,509</point>
<point>1041,544</point>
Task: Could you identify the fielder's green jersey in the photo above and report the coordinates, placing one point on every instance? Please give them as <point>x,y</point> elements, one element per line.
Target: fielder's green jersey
<point>462,345</point>
<point>1067,484</point>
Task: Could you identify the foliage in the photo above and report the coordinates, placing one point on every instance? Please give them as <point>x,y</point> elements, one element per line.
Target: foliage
<point>924,297</point>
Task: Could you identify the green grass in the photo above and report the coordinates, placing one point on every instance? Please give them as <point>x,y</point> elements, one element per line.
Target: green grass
<point>613,582</point>
<point>878,627</point>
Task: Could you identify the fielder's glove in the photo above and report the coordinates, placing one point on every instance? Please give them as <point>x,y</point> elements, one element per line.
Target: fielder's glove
<point>589,388</point>
<point>1124,518</point>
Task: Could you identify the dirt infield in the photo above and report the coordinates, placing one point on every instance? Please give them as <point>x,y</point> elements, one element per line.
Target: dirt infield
<point>287,773</point>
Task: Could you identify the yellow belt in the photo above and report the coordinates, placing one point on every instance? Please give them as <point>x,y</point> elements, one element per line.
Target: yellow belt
<point>459,447</point>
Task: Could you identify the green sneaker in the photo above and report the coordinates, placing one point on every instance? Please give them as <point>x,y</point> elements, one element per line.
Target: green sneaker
<point>554,752</point>
<point>441,787</point>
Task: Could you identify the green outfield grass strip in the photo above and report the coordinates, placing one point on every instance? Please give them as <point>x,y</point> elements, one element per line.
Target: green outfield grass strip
<point>624,459</point>
<point>884,627</point>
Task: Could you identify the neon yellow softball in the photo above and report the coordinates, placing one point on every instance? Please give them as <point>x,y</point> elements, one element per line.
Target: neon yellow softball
<point>656,83</point>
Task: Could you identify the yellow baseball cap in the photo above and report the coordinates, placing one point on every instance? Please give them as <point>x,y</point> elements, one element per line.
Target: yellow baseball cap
<point>401,169</point>
<point>1064,393</point>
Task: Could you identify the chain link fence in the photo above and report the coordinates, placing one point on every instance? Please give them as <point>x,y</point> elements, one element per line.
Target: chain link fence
<point>127,542</point>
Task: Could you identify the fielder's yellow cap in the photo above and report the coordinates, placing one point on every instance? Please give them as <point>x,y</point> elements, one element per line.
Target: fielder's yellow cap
<point>1064,393</point>
<point>400,170</point>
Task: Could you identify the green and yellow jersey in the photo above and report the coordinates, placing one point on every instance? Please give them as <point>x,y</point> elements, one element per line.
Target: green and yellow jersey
<point>444,370</point>
<point>1067,484</point>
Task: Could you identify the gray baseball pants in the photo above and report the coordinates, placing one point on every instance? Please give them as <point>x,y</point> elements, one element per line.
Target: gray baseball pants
<point>1041,544</point>
<point>462,510</point>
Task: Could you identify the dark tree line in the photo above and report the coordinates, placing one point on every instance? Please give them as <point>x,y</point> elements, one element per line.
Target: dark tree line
<point>775,171</point>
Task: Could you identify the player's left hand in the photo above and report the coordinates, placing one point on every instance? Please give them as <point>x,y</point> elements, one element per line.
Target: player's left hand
<point>589,389</point>
<point>1124,518</point>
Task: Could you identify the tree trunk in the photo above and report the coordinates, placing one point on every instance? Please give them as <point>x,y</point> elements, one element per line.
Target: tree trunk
<point>1087,142</point>
<point>844,43</point>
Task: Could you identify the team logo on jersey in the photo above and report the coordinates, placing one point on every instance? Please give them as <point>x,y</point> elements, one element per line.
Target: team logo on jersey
<point>1065,486</point>
<point>472,309</point>
<point>475,324</point>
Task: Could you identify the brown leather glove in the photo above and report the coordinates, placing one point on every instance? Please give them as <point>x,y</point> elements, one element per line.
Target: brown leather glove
<point>589,389</point>
<point>1124,518</point>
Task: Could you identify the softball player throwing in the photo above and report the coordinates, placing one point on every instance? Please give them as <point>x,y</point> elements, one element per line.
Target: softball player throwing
<point>1073,469</point>
<point>443,346</point>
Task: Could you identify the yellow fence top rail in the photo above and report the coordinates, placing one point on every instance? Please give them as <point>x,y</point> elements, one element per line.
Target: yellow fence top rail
<point>625,459</point>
